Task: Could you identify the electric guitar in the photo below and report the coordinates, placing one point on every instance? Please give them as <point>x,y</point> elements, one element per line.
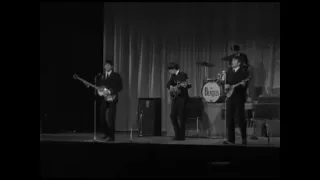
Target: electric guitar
<point>230,90</point>
<point>102,90</point>
<point>177,89</point>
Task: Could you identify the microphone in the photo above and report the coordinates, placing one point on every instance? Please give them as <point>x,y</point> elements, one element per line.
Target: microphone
<point>95,77</point>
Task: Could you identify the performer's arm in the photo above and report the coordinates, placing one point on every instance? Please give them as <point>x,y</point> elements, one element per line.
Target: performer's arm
<point>246,59</point>
<point>99,83</point>
<point>189,85</point>
<point>170,82</point>
<point>227,84</point>
<point>246,76</point>
<point>118,85</point>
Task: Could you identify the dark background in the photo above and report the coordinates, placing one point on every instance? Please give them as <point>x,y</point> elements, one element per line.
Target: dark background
<point>71,41</point>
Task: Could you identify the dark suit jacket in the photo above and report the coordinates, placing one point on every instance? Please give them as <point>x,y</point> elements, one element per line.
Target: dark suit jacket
<point>180,77</point>
<point>113,83</point>
<point>236,77</point>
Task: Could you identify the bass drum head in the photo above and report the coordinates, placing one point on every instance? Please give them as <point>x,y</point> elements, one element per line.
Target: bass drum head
<point>212,92</point>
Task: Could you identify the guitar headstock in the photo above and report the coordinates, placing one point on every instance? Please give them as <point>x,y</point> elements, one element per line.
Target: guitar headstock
<point>75,76</point>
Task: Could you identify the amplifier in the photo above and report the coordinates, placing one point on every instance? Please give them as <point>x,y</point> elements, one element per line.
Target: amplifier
<point>267,108</point>
<point>149,116</point>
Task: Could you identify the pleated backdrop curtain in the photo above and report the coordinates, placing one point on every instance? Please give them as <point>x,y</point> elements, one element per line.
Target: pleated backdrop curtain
<point>142,38</point>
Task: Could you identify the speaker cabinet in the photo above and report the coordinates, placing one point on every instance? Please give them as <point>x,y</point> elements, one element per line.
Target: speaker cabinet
<point>149,116</point>
<point>267,108</point>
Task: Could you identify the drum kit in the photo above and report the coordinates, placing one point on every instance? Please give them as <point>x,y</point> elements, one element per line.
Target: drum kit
<point>212,90</point>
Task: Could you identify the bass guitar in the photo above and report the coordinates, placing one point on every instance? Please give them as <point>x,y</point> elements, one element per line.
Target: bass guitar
<point>102,90</point>
<point>230,90</point>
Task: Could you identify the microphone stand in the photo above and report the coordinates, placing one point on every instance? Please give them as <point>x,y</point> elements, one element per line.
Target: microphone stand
<point>225,107</point>
<point>95,114</point>
<point>140,122</point>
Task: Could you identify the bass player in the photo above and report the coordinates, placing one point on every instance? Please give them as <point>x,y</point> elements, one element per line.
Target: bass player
<point>108,109</point>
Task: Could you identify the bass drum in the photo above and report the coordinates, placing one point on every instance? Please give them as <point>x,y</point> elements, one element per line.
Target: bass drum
<point>212,92</point>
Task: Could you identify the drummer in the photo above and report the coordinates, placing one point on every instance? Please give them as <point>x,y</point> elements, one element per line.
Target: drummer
<point>235,49</point>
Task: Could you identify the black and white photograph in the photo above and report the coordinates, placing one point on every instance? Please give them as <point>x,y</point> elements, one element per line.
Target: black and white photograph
<point>159,89</point>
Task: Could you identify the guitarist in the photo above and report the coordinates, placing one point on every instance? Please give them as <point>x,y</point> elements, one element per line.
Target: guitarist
<point>178,106</point>
<point>236,102</point>
<point>113,82</point>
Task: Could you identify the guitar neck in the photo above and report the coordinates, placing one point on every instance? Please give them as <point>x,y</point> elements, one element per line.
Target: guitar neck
<point>86,82</point>
<point>180,84</point>
<point>241,82</point>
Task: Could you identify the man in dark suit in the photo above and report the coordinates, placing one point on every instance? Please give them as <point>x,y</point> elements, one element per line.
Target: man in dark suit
<point>244,64</point>
<point>178,106</point>
<point>113,82</point>
<point>236,102</point>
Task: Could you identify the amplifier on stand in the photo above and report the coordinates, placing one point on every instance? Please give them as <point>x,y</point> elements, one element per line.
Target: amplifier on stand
<point>149,116</point>
<point>265,111</point>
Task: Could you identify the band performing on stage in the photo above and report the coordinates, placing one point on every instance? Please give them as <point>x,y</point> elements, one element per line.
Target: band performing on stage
<point>230,87</point>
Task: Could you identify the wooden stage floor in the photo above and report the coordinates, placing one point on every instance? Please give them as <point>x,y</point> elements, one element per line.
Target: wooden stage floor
<point>76,155</point>
<point>125,138</point>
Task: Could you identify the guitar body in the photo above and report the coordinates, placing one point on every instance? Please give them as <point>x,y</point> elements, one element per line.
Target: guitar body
<point>174,94</point>
<point>177,90</point>
<point>230,91</point>
<point>103,91</point>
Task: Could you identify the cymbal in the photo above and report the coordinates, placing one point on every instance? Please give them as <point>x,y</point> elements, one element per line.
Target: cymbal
<point>227,58</point>
<point>204,63</point>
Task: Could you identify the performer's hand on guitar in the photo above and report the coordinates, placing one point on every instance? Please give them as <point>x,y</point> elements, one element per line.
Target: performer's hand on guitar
<point>184,85</point>
<point>243,83</point>
<point>226,86</point>
<point>171,88</point>
<point>103,92</point>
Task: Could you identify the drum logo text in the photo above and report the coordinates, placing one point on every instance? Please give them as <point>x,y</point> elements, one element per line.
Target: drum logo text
<point>212,93</point>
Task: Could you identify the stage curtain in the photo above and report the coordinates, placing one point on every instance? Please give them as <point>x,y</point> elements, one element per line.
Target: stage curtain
<point>142,38</point>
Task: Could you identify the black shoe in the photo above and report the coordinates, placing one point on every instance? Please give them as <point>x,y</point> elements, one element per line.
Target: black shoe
<point>181,139</point>
<point>227,142</point>
<point>110,139</point>
<point>105,137</point>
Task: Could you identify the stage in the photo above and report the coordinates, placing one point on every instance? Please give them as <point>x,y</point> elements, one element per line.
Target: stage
<point>125,138</point>
<point>75,155</point>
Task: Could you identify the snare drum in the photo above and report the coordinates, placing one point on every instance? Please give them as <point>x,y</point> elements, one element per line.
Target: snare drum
<point>212,92</point>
